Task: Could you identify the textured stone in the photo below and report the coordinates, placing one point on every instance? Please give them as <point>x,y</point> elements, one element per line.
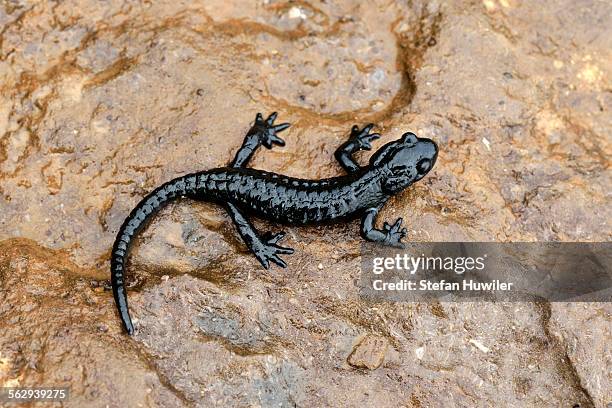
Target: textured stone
<point>368,353</point>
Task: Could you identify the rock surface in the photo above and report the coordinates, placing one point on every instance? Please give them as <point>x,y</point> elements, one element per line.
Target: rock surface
<point>101,102</point>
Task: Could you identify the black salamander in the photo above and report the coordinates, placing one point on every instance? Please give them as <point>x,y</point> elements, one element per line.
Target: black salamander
<point>360,193</point>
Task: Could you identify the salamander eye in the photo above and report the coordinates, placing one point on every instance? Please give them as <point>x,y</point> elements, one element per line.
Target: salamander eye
<point>409,138</point>
<point>423,166</point>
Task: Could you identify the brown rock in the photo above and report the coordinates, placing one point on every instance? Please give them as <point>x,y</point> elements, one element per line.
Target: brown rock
<point>368,353</point>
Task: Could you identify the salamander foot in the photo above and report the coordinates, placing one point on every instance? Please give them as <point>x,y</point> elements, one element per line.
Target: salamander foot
<point>266,130</point>
<point>394,234</point>
<point>268,250</point>
<point>363,138</point>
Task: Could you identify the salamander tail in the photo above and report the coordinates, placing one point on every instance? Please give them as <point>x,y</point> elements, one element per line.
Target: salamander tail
<point>149,205</point>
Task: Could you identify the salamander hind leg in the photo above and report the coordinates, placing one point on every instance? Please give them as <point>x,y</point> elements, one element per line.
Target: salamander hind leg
<point>390,234</point>
<point>263,132</point>
<point>360,139</point>
<point>265,248</point>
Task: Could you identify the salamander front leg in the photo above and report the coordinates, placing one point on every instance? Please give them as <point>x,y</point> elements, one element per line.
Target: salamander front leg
<point>266,248</point>
<point>264,133</point>
<point>390,234</point>
<point>358,140</point>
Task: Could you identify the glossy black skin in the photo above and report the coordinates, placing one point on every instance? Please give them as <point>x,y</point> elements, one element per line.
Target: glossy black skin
<point>360,193</point>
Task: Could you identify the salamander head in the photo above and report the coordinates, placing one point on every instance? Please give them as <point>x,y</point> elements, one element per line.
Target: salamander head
<point>405,161</point>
